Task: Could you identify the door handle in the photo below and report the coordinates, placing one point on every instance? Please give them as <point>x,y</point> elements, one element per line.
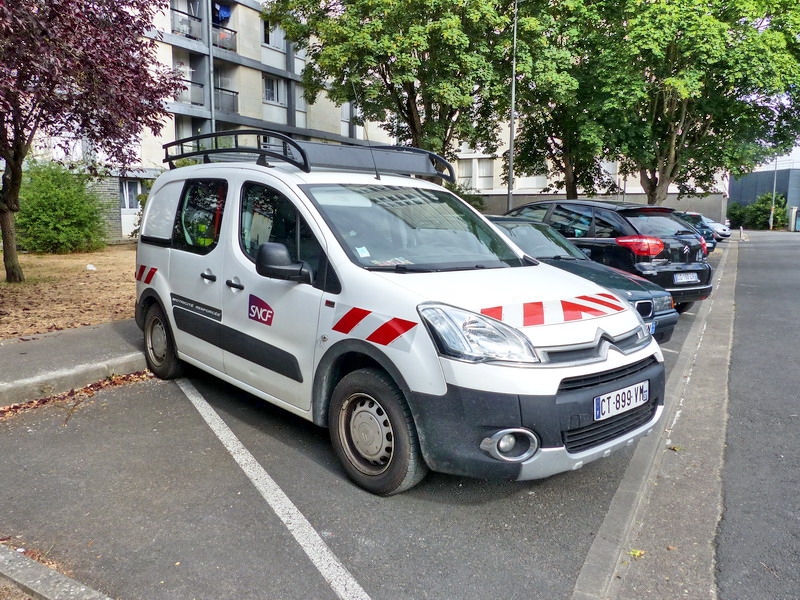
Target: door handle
<point>208,276</point>
<point>232,284</point>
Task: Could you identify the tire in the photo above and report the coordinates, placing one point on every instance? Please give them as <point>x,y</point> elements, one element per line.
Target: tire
<point>159,345</point>
<point>386,458</point>
<point>682,307</point>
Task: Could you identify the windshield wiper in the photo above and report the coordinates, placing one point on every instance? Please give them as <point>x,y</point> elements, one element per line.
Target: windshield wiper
<point>400,268</point>
<point>563,257</point>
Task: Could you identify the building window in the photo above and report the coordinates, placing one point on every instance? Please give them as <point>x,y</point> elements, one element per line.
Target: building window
<point>299,98</point>
<point>274,90</point>
<point>274,36</point>
<point>485,173</point>
<point>129,190</point>
<point>465,173</point>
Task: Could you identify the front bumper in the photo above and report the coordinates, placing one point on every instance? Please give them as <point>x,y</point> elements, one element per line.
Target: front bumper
<point>451,427</point>
<point>665,325</point>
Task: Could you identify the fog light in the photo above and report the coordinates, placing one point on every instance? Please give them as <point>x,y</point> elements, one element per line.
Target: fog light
<point>506,442</point>
<point>511,445</point>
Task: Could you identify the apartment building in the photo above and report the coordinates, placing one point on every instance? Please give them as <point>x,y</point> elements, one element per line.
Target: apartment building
<point>240,73</point>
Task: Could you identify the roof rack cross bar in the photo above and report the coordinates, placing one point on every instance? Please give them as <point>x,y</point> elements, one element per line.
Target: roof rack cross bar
<point>290,146</point>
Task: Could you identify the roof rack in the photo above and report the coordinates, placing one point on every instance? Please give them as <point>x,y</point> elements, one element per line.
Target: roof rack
<point>238,143</point>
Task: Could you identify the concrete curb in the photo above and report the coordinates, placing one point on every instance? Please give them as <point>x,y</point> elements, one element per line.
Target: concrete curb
<point>40,581</point>
<point>64,380</point>
<point>596,577</point>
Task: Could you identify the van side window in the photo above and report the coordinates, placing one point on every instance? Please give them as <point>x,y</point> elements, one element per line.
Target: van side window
<point>199,218</point>
<point>269,216</point>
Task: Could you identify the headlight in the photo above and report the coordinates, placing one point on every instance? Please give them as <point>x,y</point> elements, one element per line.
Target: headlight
<point>662,303</point>
<point>473,337</point>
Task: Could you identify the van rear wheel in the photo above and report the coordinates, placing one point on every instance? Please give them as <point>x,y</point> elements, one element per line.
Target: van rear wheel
<point>373,433</point>
<point>159,345</point>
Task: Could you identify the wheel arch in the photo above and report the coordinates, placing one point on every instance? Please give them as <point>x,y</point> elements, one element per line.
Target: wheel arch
<point>146,300</point>
<point>342,358</point>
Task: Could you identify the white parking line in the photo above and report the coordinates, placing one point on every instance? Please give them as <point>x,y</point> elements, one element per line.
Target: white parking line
<point>670,350</point>
<point>340,579</point>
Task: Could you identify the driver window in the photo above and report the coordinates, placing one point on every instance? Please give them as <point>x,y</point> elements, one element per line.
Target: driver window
<point>269,216</point>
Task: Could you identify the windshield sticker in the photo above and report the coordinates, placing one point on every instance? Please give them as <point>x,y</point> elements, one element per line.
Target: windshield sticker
<point>260,311</point>
<point>551,312</point>
<point>362,252</point>
<point>392,262</point>
<point>377,328</point>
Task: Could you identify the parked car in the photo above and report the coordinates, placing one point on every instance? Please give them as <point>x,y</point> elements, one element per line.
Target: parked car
<point>648,241</point>
<point>542,242</point>
<point>695,220</point>
<point>386,309</point>
<point>721,231</point>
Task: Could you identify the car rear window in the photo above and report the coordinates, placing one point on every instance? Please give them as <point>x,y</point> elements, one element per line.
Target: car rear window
<point>656,224</point>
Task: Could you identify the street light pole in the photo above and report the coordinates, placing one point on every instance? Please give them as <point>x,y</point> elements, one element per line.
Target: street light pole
<point>774,181</point>
<point>513,110</point>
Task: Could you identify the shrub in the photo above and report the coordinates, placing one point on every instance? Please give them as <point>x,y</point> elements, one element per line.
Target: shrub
<point>756,215</point>
<point>468,195</point>
<point>58,214</point>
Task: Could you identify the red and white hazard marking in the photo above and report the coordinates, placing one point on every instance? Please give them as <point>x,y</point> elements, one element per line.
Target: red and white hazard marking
<point>551,312</point>
<point>149,277</point>
<point>374,327</point>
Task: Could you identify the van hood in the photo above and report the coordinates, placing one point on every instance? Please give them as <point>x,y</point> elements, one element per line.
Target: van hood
<point>552,307</point>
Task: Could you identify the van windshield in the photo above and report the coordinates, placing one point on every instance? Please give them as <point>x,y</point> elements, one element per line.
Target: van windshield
<point>404,229</point>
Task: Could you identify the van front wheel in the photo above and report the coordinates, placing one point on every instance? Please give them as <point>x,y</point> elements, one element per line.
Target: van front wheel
<point>373,433</point>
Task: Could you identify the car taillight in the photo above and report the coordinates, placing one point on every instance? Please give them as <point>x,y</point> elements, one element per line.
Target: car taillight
<point>641,245</point>
<point>703,245</point>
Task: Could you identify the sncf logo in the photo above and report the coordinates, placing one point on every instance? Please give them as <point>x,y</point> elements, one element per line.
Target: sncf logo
<point>551,312</point>
<point>149,277</point>
<point>260,311</point>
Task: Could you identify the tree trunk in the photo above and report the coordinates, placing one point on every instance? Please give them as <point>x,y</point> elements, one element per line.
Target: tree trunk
<point>9,204</point>
<point>570,181</point>
<point>10,258</point>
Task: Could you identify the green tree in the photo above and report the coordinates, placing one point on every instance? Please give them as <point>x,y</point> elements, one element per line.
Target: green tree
<point>432,72</point>
<point>58,214</point>
<point>563,111</point>
<point>704,87</point>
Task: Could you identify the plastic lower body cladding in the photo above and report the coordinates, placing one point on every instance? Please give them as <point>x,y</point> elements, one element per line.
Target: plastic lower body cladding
<point>461,432</point>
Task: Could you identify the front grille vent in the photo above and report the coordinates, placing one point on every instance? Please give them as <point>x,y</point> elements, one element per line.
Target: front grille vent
<point>578,383</point>
<point>644,308</point>
<point>584,438</point>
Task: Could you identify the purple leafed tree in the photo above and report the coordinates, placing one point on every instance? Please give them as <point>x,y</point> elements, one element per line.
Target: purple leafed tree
<point>75,70</point>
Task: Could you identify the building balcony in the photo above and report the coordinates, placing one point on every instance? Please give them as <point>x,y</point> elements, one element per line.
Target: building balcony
<point>222,37</point>
<point>226,100</point>
<point>186,25</point>
<point>193,94</point>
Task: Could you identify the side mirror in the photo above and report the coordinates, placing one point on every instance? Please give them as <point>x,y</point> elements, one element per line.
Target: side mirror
<point>587,252</point>
<point>273,260</point>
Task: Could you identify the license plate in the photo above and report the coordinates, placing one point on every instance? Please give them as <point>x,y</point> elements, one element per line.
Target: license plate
<point>652,326</point>
<point>621,401</point>
<point>686,278</point>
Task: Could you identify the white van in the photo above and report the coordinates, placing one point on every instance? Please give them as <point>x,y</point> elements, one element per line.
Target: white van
<point>385,308</point>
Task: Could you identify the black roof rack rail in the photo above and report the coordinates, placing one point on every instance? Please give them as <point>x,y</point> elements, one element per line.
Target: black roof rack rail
<point>196,148</point>
<point>403,160</point>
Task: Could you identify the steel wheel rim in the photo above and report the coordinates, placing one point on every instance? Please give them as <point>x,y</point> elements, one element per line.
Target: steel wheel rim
<point>157,342</point>
<point>367,433</point>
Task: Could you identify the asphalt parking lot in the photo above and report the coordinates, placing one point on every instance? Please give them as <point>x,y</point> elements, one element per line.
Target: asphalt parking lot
<point>135,493</point>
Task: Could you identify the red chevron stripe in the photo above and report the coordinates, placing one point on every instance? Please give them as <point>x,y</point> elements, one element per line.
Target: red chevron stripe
<point>532,314</point>
<point>496,312</point>
<point>150,274</point>
<point>575,312</point>
<point>390,331</point>
<point>140,273</point>
<point>351,318</point>
<point>597,300</point>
